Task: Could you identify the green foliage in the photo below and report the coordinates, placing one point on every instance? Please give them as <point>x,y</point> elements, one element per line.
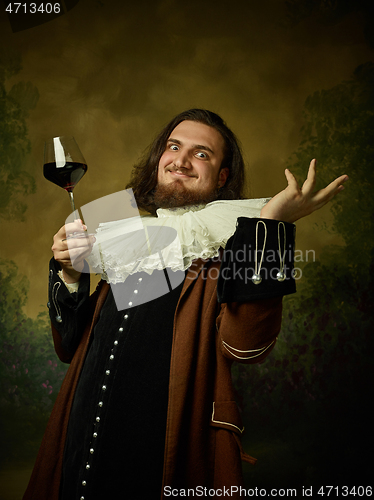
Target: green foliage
<point>322,350</point>
<point>317,378</point>
<point>339,132</point>
<point>15,181</point>
<point>30,375</point>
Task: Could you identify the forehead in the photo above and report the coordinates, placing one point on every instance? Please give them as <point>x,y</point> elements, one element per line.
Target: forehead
<point>193,133</point>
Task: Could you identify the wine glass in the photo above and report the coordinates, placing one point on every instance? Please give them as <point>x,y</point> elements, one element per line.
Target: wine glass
<point>64,165</point>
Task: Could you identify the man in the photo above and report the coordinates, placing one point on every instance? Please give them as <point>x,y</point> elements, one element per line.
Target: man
<point>147,407</point>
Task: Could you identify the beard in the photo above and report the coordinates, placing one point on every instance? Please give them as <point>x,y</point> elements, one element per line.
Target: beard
<point>176,195</point>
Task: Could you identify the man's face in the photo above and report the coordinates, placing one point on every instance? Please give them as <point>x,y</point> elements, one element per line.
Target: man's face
<point>189,170</point>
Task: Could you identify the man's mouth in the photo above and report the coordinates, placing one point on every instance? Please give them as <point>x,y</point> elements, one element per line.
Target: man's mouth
<point>179,173</point>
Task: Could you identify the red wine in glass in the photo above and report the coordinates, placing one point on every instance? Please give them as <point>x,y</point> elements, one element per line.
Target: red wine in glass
<point>64,164</point>
<point>67,176</point>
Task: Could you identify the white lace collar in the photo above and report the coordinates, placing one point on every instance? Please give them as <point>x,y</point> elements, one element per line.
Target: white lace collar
<point>173,239</point>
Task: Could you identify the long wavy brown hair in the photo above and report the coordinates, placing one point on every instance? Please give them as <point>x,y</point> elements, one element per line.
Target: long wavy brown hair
<point>144,174</point>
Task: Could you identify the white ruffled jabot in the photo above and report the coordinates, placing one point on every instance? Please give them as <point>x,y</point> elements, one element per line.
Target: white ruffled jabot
<point>173,239</point>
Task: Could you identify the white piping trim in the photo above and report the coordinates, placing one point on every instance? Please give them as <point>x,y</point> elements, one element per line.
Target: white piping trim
<point>225,423</point>
<point>246,357</point>
<point>238,350</point>
<point>258,269</point>
<point>54,297</point>
<point>281,257</point>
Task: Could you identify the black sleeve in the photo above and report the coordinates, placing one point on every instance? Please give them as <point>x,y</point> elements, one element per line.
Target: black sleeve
<point>68,311</point>
<point>257,261</point>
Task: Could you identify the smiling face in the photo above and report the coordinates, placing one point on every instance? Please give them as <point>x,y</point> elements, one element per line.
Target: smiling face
<point>189,170</point>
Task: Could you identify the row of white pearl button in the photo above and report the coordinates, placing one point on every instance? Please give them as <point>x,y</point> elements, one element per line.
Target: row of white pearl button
<point>104,388</point>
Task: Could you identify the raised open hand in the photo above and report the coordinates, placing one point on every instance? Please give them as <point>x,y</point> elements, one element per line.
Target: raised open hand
<point>294,202</point>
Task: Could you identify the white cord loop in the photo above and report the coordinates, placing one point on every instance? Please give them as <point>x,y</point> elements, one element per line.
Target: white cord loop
<point>281,275</point>
<point>55,303</point>
<point>256,278</point>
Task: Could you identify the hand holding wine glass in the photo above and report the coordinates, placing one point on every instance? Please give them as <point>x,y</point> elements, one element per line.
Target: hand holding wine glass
<point>65,165</point>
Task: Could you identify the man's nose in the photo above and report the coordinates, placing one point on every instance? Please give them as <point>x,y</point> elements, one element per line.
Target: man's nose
<point>182,160</point>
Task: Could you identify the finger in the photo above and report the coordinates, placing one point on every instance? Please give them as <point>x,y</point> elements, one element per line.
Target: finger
<point>310,181</point>
<point>75,228</point>
<point>77,222</point>
<point>80,241</point>
<point>61,254</point>
<point>325,195</point>
<point>69,256</point>
<point>338,182</point>
<point>77,256</point>
<point>61,233</point>
<point>59,244</point>
<point>70,244</point>
<point>292,182</point>
<point>80,244</point>
<point>65,231</point>
<point>70,251</point>
<point>334,187</point>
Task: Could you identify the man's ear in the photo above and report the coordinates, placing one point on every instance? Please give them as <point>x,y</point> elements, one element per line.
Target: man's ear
<point>222,176</point>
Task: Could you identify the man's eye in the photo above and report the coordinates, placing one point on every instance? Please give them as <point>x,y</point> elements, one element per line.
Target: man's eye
<point>201,155</point>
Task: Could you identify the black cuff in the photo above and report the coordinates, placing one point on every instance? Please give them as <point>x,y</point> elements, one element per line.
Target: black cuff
<point>258,261</point>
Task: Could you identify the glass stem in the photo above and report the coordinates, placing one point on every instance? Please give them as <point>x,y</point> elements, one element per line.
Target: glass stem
<point>71,197</point>
<point>75,211</point>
